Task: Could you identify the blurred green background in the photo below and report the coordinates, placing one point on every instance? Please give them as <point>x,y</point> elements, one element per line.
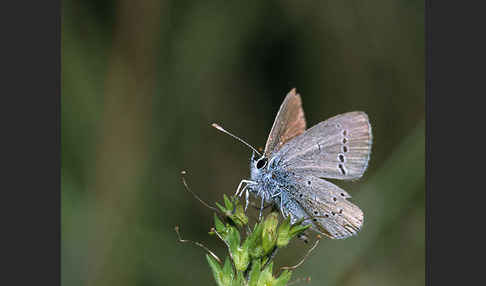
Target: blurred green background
<point>143,80</point>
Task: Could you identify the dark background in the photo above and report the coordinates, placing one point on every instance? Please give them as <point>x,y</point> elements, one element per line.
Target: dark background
<point>143,80</point>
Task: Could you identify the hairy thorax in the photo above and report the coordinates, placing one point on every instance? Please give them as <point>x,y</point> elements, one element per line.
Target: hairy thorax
<point>271,181</point>
<point>274,185</point>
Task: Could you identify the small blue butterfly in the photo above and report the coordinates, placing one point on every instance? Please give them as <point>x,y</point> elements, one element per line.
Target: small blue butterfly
<point>291,171</point>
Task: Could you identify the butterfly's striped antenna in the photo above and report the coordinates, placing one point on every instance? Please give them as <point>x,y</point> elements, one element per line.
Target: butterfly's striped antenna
<point>236,137</point>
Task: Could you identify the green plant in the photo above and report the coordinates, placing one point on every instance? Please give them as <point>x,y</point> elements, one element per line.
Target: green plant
<point>251,250</point>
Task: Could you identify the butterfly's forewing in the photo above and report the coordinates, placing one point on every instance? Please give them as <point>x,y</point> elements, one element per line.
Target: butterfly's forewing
<point>289,123</point>
<point>327,206</point>
<point>337,148</point>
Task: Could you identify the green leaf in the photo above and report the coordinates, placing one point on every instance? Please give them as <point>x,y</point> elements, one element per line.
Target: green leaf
<point>218,224</point>
<point>283,279</point>
<point>254,241</point>
<point>257,251</point>
<point>255,271</point>
<point>217,271</point>
<point>228,273</point>
<point>241,258</point>
<point>285,225</point>
<point>223,209</point>
<point>284,236</point>
<point>240,279</point>
<point>240,255</point>
<point>254,237</point>
<point>233,238</point>
<point>266,277</point>
<point>228,203</point>
<point>297,229</point>
<point>234,211</point>
<point>269,235</point>
<point>239,217</point>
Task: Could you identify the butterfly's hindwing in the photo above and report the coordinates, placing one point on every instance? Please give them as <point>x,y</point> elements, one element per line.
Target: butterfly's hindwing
<point>327,206</point>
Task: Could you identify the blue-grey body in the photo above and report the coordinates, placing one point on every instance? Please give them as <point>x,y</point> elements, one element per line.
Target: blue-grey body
<point>275,184</point>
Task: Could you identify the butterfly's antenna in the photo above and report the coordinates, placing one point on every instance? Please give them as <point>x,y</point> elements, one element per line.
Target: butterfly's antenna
<point>236,137</point>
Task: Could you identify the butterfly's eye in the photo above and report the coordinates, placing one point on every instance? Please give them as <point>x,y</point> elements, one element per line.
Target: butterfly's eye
<point>261,163</point>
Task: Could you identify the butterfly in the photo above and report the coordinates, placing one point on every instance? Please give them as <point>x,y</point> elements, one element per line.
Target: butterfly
<point>292,171</point>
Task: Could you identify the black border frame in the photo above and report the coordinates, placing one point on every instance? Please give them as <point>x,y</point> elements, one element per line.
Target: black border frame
<point>455,61</point>
<point>428,61</point>
<point>31,88</point>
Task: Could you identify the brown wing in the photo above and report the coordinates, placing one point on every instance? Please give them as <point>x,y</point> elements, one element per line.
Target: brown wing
<point>290,122</point>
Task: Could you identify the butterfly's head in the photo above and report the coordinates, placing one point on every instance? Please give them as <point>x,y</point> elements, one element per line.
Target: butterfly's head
<point>257,165</point>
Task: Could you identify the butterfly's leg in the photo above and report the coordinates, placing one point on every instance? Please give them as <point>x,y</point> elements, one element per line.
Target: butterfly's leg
<point>261,209</point>
<point>238,189</point>
<point>280,195</point>
<point>241,183</point>
<point>247,192</point>
<point>247,197</point>
<point>281,203</point>
<point>239,193</point>
<point>277,194</point>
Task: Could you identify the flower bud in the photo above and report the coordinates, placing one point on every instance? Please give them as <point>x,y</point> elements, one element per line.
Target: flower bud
<point>284,233</point>
<point>269,235</point>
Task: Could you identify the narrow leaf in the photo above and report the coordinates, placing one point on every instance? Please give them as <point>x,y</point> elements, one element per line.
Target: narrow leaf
<point>217,271</point>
